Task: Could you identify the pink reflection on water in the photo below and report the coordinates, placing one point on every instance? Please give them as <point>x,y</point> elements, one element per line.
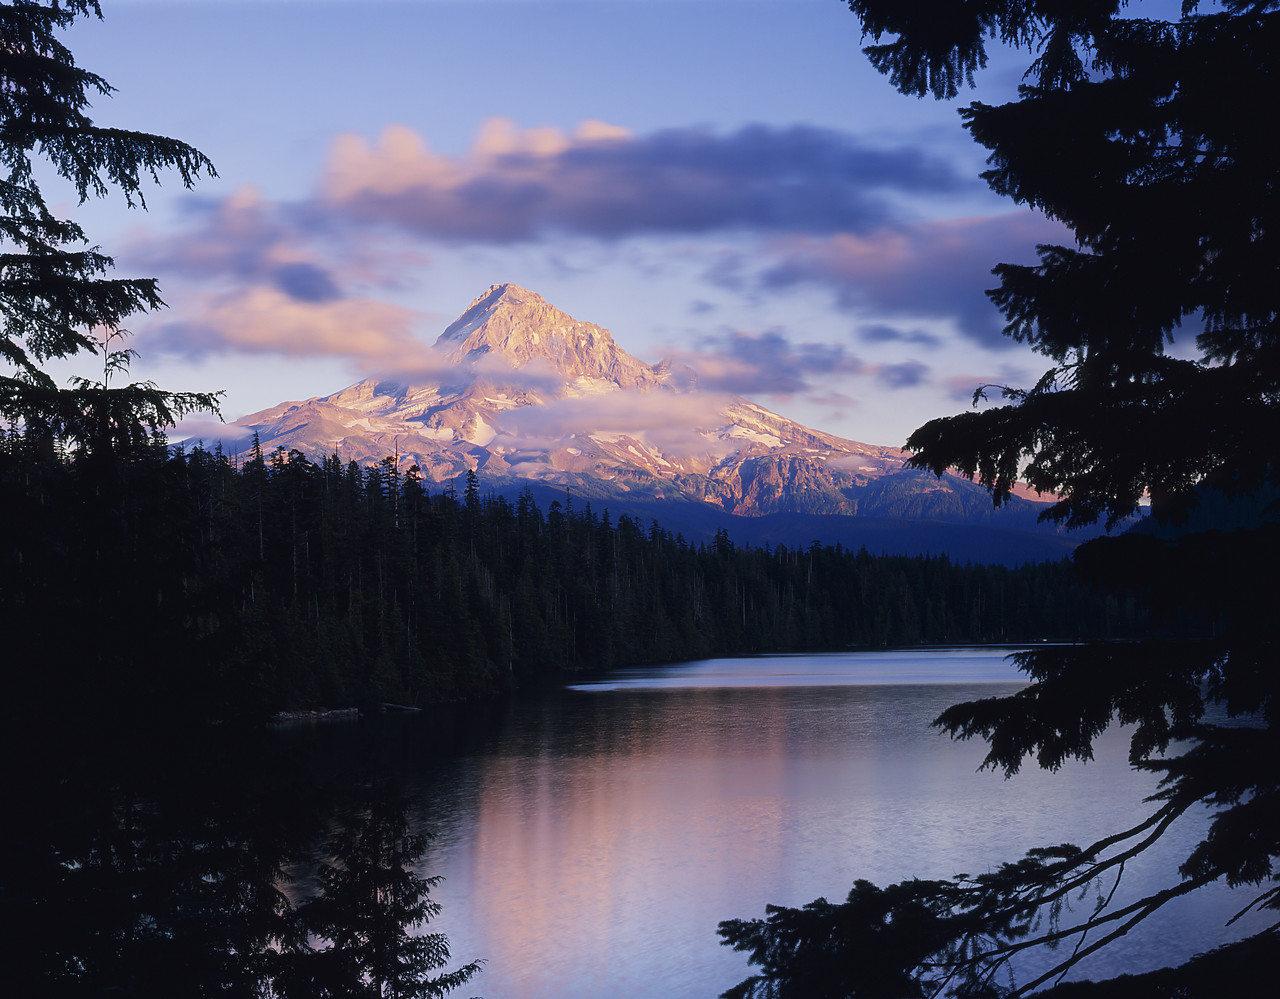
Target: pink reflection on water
<point>607,833</point>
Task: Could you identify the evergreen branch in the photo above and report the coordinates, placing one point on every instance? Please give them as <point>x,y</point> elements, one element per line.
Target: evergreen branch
<point>1141,910</point>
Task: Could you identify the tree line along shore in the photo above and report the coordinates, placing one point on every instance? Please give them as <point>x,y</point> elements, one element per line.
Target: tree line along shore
<point>185,577</point>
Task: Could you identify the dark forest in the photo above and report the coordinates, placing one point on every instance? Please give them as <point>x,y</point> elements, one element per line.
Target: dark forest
<point>177,581</point>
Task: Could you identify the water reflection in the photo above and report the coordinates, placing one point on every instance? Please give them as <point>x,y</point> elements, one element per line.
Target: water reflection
<point>590,840</point>
<point>599,836</point>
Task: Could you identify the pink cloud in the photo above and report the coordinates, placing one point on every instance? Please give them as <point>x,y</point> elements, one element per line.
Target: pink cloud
<point>264,320</point>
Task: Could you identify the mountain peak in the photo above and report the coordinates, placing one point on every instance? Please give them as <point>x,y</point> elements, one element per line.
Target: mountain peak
<point>520,326</point>
<point>498,296</point>
<point>510,293</point>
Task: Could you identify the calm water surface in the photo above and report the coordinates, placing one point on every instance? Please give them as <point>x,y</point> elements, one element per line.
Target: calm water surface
<point>592,839</point>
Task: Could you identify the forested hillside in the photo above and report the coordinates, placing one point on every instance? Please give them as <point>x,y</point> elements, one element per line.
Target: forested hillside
<point>180,579</point>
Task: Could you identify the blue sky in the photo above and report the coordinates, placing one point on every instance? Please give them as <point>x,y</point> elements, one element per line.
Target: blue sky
<point>729,184</point>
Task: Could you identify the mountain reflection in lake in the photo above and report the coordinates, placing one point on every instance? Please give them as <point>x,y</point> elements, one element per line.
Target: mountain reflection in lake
<point>590,838</point>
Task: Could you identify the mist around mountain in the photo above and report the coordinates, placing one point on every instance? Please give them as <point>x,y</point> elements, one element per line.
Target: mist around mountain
<point>526,396</point>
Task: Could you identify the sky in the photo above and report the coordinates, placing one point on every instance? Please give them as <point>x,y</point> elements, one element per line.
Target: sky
<point>727,184</point>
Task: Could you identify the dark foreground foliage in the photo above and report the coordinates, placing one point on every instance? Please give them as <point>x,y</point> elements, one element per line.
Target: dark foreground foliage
<point>112,583</point>
<point>215,861</point>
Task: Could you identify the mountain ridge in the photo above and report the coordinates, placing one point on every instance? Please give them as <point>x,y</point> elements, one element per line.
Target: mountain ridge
<point>521,393</point>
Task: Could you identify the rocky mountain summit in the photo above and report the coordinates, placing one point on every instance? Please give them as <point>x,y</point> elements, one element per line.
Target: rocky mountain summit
<point>526,395</point>
<point>518,325</point>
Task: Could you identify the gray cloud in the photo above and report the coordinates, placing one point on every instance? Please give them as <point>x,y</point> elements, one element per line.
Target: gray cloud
<point>603,182</point>
<point>305,282</point>
<point>908,374</point>
<point>933,269</point>
<point>884,333</point>
<point>746,363</point>
<point>245,240</point>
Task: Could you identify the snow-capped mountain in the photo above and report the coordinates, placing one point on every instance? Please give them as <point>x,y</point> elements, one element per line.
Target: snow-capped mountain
<point>519,389</point>
<point>525,394</point>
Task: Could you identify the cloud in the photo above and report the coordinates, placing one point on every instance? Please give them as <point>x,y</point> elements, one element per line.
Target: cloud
<point>379,341</point>
<point>244,239</point>
<point>747,363</point>
<point>304,282</point>
<point>262,320</point>
<point>195,430</point>
<point>270,285</point>
<point>771,363</point>
<point>884,333</point>
<point>664,419</point>
<point>908,374</point>
<point>247,240</point>
<point>537,375</point>
<point>378,337</point>
<point>934,269</point>
<point>601,181</point>
<point>797,206</point>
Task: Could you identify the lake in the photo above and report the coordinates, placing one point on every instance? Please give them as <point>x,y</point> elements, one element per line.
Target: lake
<point>592,838</point>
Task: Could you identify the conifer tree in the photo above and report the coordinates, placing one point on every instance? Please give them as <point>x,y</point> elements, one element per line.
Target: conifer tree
<point>55,297</point>
<point>370,903</point>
